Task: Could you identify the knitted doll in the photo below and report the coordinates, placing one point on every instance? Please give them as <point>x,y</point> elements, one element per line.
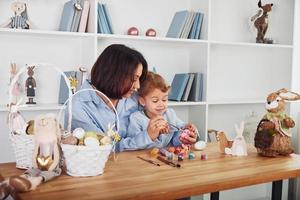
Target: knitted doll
<point>20,19</point>
<point>46,158</point>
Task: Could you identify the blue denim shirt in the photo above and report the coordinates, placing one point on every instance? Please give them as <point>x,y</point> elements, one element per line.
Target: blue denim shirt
<point>138,124</point>
<point>91,113</point>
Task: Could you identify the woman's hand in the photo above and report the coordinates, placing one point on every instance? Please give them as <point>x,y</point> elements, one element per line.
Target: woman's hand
<point>155,126</point>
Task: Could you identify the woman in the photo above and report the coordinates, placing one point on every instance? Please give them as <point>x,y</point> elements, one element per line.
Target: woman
<point>117,73</point>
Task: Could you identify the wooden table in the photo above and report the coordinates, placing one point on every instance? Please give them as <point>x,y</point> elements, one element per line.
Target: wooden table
<point>132,178</point>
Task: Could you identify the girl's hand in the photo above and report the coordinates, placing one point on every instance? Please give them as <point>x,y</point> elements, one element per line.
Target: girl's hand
<point>155,126</point>
<point>191,128</point>
<point>191,138</point>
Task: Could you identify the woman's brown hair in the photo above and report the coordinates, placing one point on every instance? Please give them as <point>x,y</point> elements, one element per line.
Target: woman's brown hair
<point>113,72</point>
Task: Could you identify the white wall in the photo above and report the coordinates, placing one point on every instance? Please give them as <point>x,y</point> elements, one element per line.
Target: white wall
<point>295,107</point>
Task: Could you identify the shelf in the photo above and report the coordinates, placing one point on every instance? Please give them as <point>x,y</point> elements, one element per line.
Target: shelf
<point>33,32</point>
<point>187,103</point>
<point>145,38</point>
<point>59,106</point>
<point>248,44</point>
<point>38,107</point>
<point>236,101</point>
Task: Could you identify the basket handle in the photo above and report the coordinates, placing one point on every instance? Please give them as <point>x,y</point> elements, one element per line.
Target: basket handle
<point>70,107</point>
<point>16,77</point>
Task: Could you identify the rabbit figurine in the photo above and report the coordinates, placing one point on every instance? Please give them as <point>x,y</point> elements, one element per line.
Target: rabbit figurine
<point>272,136</point>
<point>239,147</point>
<point>260,20</point>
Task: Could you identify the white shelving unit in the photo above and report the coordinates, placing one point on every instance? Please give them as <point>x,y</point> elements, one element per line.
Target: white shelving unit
<point>238,73</point>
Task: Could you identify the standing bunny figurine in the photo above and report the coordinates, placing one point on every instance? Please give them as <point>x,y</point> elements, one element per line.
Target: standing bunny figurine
<point>272,136</point>
<point>17,88</point>
<point>30,85</point>
<point>260,20</point>
<point>238,146</point>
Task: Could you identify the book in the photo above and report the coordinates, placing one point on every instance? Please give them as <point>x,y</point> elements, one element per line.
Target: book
<point>103,20</point>
<point>74,78</point>
<point>84,17</point>
<point>177,24</point>
<point>197,88</point>
<point>108,19</point>
<point>67,16</point>
<point>98,21</point>
<point>177,87</point>
<point>188,87</point>
<point>188,25</point>
<point>77,15</point>
<point>101,23</point>
<point>199,25</point>
<point>192,34</point>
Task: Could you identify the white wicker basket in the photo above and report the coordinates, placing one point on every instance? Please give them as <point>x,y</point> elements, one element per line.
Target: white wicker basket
<point>84,160</point>
<point>22,143</point>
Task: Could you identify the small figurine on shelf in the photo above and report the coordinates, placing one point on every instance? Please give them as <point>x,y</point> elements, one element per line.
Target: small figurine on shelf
<point>30,85</point>
<point>151,32</point>
<point>17,87</point>
<point>133,31</point>
<point>272,137</point>
<point>20,19</point>
<point>260,20</point>
<point>83,76</point>
<point>73,83</point>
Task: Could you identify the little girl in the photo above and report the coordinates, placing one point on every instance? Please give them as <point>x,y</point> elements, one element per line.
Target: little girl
<point>154,100</point>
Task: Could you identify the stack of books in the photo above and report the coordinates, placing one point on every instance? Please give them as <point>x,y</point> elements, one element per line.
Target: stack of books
<point>187,87</point>
<point>186,24</point>
<point>104,21</point>
<point>75,15</point>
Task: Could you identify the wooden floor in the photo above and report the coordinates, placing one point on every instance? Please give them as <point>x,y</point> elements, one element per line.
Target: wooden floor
<point>132,178</point>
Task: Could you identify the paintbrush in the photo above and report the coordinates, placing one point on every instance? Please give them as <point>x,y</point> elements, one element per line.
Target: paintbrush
<point>149,161</point>
<point>168,162</point>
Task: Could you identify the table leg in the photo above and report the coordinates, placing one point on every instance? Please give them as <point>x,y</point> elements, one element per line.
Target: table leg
<point>276,190</point>
<point>214,196</point>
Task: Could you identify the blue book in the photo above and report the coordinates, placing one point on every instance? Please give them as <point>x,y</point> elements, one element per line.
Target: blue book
<point>192,34</point>
<point>197,88</point>
<point>108,19</point>
<point>188,87</point>
<point>178,85</point>
<point>103,20</point>
<point>77,17</point>
<point>67,16</point>
<point>199,25</point>
<point>100,21</point>
<point>177,24</point>
<point>188,25</point>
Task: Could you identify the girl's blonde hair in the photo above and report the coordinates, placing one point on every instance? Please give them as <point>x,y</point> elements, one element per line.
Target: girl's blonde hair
<point>151,82</point>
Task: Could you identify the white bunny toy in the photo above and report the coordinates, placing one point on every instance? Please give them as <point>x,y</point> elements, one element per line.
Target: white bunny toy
<point>239,147</point>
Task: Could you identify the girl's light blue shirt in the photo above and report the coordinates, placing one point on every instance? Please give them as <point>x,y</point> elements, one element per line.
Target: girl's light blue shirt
<point>91,113</point>
<point>138,124</point>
